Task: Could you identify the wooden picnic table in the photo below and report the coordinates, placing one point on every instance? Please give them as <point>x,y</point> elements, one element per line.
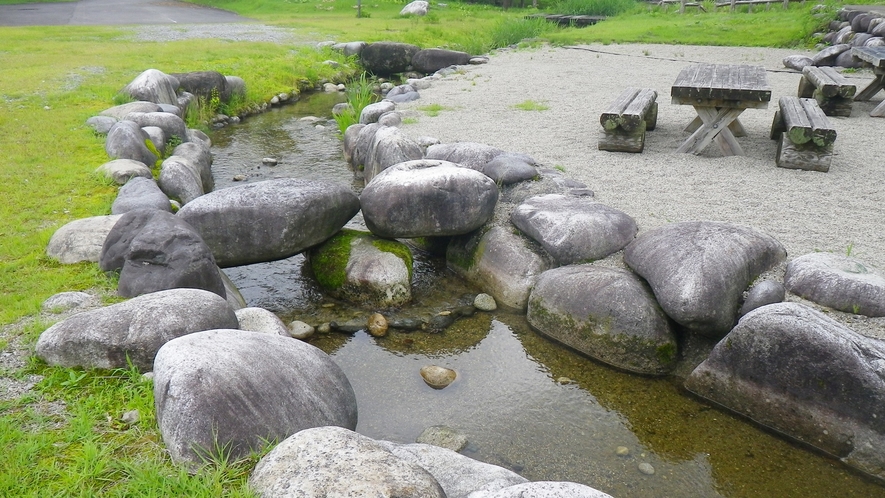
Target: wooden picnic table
<point>876,57</point>
<point>719,94</point>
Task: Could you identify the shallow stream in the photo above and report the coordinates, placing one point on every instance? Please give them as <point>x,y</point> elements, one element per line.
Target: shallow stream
<point>524,402</point>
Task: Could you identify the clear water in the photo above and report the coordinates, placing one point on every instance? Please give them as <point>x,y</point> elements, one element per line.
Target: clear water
<point>524,402</point>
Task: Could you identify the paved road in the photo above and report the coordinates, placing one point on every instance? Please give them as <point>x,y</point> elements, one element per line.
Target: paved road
<point>112,12</point>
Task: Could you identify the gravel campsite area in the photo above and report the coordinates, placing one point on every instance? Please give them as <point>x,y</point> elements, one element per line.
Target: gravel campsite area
<point>840,211</point>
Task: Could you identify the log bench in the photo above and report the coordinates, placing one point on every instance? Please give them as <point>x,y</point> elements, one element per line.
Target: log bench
<point>627,119</point>
<point>804,134</point>
<point>832,91</point>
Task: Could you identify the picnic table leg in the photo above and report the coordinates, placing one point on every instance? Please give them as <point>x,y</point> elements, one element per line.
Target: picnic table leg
<point>879,111</point>
<point>737,129</point>
<point>716,126</point>
<point>871,89</point>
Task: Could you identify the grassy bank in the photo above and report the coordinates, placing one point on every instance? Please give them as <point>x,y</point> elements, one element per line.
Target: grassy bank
<point>65,436</point>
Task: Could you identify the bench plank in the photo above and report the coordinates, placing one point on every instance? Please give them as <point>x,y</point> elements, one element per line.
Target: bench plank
<point>612,117</point>
<point>829,81</point>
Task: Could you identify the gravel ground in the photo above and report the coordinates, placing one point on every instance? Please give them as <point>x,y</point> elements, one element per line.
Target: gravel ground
<point>840,211</point>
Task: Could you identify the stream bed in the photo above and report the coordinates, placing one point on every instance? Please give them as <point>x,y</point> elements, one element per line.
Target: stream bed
<point>524,402</point>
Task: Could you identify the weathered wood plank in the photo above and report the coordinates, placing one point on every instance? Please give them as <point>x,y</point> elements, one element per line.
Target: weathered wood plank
<point>829,81</point>
<point>715,127</point>
<point>638,108</point>
<point>718,85</point>
<point>796,125</point>
<point>620,141</point>
<point>873,55</point>
<point>823,133</point>
<point>613,117</point>
<point>807,156</point>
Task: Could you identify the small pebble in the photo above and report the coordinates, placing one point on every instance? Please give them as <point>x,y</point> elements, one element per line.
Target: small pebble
<point>239,178</point>
<point>270,161</point>
<point>377,325</point>
<point>622,451</point>
<point>324,328</point>
<point>564,380</point>
<point>300,330</point>
<point>646,468</point>
<point>485,302</point>
<point>437,377</point>
<point>131,417</point>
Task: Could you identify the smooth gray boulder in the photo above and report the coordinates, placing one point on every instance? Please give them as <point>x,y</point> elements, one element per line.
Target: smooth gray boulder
<point>606,313</point>
<point>200,156</point>
<point>123,170</point>
<point>101,124</point>
<point>236,88</point>
<point>172,125</point>
<point>574,229</point>
<point>389,146</point>
<point>360,268</point>
<point>331,461</point>
<point>140,193</point>
<point>797,62</point>
<point>827,56</point>
<point>799,372</point>
<point>156,250</point>
<point>372,112</point>
<point>133,330</point>
<point>238,390</point>
<point>351,134</point>
<point>402,93</point>
<point>204,84</point>
<point>500,262</point>
<point>180,179</point>
<point>153,86</point>
<point>119,112</point>
<point>359,155</point>
<point>699,270</point>
<point>468,154</point>
<point>261,320</point>
<point>457,474</point>
<point>543,489</point>
<point>157,136</point>
<point>839,282</point>
<point>269,220</point>
<point>762,294</point>
<point>66,301</point>
<point>431,60</point>
<point>80,240</point>
<point>386,58</point>
<point>395,119</point>
<point>126,140</point>
<point>416,8</point>
<point>507,169</point>
<point>350,49</point>
<point>427,198</point>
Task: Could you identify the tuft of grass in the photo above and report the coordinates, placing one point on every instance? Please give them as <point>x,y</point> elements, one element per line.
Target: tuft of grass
<point>359,94</point>
<point>431,110</point>
<point>531,105</point>
<point>593,7</point>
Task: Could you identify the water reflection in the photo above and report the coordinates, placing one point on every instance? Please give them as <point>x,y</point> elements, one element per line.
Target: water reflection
<point>507,398</point>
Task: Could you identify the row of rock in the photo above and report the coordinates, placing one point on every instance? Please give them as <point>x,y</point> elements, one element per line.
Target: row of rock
<point>853,28</point>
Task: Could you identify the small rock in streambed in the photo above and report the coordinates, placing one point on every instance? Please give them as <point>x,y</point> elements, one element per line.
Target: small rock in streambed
<point>437,377</point>
<point>646,468</point>
<point>406,324</point>
<point>622,451</point>
<point>444,437</point>
<point>270,161</point>
<point>300,330</point>
<point>377,325</point>
<point>485,302</point>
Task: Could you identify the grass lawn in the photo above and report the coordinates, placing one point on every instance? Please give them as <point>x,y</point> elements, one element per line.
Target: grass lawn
<point>64,437</point>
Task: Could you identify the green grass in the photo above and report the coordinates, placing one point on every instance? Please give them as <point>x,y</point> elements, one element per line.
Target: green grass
<point>431,110</point>
<point>531,105</point>
<point>54,78</point>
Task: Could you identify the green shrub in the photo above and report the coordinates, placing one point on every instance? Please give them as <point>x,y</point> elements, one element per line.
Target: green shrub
<point>360,93</point>
<point>511,31</point>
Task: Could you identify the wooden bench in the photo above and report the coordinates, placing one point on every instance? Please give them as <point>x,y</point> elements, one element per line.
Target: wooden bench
<point>804,134</point>
<point>627,119</point>
<point>832,91</point>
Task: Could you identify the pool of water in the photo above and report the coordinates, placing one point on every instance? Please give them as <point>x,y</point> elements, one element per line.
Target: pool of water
<point>524,402</point>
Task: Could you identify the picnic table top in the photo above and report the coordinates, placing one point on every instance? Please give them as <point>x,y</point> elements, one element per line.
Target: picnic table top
<point>873,55</point>
<point>722,85</point>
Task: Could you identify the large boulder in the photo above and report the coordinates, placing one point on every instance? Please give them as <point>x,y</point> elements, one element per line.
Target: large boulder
<point>200,156</point>
<point>427,198</point>
<point>351,134</point>
<point>204,84</point>
<point>402,93</point>
<point>81,240</point>
<point>469,154</point>
<point>153,86</point>
<point>699,270</point>
<point>457,474</point>
<point>127,140</point>
<point>269,220</point>
<point>223,389</point>
<point>360,152</point>
<point>386,58</point>
<point>416,8</point>
<point>172,125</point>
<point>389,146</point>
<point>360,268</point>
<point>606,313</point>
<point>839,282</point>
<point>507,169</point>
<point>331,461</point>
<point>801,373</point>
<point>372,112</point>
<point>574,229</point>
<point>119,112</point>
<point>133,330</point>
<point>140,193</point>
<point>180,179</point>
<point>431,60</point>
<point>543,489</point>
<point>156,250</point>
<point>123,170</point>
<point>238,390</point>
<point>500,262</point>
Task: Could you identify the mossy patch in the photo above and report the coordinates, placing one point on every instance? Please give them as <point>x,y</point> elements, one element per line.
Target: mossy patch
<point>329,260</point>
